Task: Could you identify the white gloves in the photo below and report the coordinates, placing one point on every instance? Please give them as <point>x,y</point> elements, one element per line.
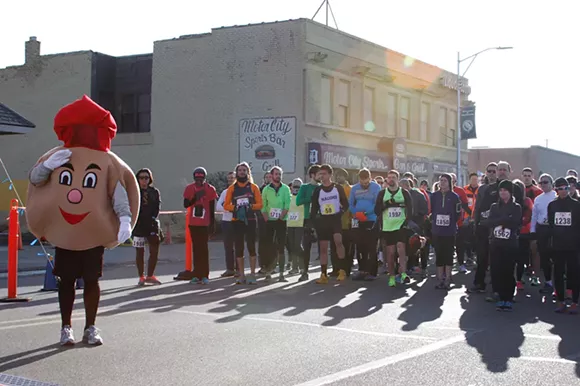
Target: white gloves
<point>124,229</point>
<point>57,159</point>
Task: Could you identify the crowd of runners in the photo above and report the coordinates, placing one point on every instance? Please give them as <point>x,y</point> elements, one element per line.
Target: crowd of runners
<point>521,231</point>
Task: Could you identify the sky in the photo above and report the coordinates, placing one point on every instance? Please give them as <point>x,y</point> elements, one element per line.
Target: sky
<point>524,96</point>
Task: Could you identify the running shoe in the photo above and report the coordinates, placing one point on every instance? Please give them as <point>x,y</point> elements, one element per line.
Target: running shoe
<point>282,279</point>
<point>398,279</point>
<point>323,279</point>
<point>520,285</point>
<point>303,277</point>
<point>66,336</point>
<point>228,273</point>
<point>92,336</point>
<point>405,278</point>
<point>241,280</point>
<point>392,281</point>
<point>476,289</point>
<point>152,280</point>
<point>251,280</point>
<point>508,306</point>
<point>560,308</point>
<point>141,282</point>
<point>341,275</point>
<point>195,280</point>
<point>573,309</point>
<point>535,281</point>
<point>500,305</point>
<point>205,281</point>
<point>462,268</point>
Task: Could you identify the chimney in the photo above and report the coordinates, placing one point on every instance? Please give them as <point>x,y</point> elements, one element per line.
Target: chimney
<point>31,50</point>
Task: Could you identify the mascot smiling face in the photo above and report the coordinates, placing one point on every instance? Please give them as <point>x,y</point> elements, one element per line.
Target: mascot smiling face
<point>73,209</point>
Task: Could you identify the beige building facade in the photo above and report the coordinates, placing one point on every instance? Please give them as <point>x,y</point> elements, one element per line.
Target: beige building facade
<point>288,93</point>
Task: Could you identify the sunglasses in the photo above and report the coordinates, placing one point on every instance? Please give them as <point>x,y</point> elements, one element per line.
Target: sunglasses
<point>491,171</point>
<point>143,177</point>
<point>544,182</point>
<point>296,187</point>
<point>561,188</point>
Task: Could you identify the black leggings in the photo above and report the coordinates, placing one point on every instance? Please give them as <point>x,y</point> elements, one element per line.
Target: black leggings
<point>545,251</point>
<point>444,246</point>
<point>274,243</point>
<point>523,256</point>
<point>244,232</point>
<point>66,300</point>
<point>366,244</point>
<point>566,263</point>
<point>502,271</point>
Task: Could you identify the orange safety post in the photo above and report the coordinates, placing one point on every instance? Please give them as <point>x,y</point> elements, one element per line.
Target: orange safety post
<point>188,243</point>
<point>13,240</point>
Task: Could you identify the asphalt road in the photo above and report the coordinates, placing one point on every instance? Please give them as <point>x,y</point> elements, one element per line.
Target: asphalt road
<point>289,334</point>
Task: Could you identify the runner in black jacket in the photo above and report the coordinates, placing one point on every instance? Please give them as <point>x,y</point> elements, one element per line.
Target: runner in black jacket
<point>564,223</point>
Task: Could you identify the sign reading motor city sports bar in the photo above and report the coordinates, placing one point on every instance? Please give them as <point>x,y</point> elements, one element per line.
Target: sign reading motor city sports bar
<point>347,157</point>
<point>267,142</point>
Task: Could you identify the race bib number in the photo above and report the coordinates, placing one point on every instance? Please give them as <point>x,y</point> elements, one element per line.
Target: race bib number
<point>293,216</point>
<point>470,201</point>
<point>139,242</point>
<point>485,214</point>
<point>442,220</point>
<point>395,212</point>
<point>328,209</point>
<point>563,219</point>
<point>199,213</point>
<point>354,223</point>
<point>245,201</point>
<point>502,233</point>
<point>275,213</point>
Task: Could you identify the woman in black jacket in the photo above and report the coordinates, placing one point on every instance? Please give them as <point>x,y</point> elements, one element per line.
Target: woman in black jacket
<point>504,222</point>
<point>147,230</point>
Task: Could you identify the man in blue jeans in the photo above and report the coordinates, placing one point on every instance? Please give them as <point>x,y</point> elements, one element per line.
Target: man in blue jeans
<point>227,231</point>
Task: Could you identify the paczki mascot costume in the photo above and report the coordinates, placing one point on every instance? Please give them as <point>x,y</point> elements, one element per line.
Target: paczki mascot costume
<point>82,198</point>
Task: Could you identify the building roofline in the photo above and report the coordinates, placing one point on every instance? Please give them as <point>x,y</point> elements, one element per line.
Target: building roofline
<point>17,119</point>
<point>524,148</point>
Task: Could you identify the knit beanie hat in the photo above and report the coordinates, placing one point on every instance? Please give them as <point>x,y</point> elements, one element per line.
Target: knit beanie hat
<point>561,181</point>
<point>507,185</point>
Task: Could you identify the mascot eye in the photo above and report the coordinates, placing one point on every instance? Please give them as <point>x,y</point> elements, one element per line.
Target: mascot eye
<point>90,180</point>
<point>65,178</point>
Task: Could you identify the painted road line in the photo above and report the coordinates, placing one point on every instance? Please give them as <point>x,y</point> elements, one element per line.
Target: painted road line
<point>297,323</point>
<point>375,365</point>
<point>546,360</point>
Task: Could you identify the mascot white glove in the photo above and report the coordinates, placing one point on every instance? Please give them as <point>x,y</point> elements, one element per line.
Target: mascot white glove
<point>57,159</point>
<point>124,229</point>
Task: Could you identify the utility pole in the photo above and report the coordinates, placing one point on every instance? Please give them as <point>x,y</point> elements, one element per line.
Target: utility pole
<point>328,10</point>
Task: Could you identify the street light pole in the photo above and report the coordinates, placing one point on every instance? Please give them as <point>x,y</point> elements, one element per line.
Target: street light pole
<point>459,86</point>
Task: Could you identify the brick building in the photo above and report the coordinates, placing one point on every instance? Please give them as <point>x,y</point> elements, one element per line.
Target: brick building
<point>287,93</point>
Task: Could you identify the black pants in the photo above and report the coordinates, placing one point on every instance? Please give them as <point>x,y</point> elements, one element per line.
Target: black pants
<point>502,271</point>
<point>348,253</point>
<point>545,251</point>
<point>365,238</point>
<point>261,231</point>
<point>199,240</point>
<point>274,243</point>
<point>443,250</point>
<point>523,256</point>
<point>294,243</point>
<point>307,241</point>
<point>482,236</point>
<point>461,243</point>
<point>566,264</point>
<point>244,232</point>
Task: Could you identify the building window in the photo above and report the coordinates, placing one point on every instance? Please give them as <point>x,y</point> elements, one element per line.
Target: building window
<point>135,113</point>
<point>452,140</point>
<point>443,126</point>
<point>343,103</point>
<point>326,100</point>
<point>425,118</point>
<point>404,117</point>
<point>369,109</point>
<point>391,114</point>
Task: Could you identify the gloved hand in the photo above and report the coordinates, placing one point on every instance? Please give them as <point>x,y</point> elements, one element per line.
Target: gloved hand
<point>57,159</point>
<point>124,229</point>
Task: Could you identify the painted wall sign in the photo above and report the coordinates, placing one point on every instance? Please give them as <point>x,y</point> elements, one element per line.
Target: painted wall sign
<point>267,142</point>
<point>347,157</point>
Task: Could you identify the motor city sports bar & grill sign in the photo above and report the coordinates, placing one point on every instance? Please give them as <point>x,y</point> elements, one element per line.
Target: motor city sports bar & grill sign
<point>346,157</point>
<point>267,142</point>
